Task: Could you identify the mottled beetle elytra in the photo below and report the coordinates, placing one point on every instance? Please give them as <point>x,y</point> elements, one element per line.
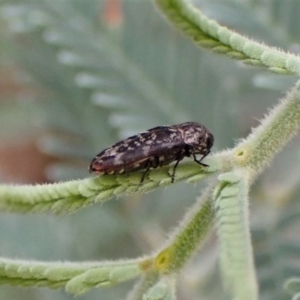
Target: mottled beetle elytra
<point>156,147</point>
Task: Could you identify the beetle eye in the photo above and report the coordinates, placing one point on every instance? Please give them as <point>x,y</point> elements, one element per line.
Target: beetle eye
<point>210,140</point>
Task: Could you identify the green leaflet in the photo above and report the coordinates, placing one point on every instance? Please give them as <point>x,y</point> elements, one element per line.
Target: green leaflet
<point>232,222</point>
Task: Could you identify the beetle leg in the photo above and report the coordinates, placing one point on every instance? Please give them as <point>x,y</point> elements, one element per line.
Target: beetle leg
<point>155,162</point>
<point>199,161</point>
<point>179,158</point>
<point>174,169</point>
<point>146,171</point>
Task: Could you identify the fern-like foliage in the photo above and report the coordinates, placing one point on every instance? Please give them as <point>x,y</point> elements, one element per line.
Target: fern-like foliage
<point>94,84</point>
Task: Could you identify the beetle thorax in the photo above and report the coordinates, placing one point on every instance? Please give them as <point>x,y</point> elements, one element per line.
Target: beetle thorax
<point>193,136</point>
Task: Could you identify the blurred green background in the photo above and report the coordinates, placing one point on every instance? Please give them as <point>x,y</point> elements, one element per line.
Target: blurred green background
<point>79,75</point>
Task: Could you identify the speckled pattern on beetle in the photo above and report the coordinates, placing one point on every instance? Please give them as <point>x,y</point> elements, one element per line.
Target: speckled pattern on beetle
<point>156,147</point>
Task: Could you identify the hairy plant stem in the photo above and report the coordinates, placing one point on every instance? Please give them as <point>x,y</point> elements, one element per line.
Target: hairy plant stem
<point>69,196</point>
<point>275,131</point>
<point>192,230</point>
<point>207,33</point>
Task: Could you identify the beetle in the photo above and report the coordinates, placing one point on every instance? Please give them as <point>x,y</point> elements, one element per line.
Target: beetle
<point>156,147</point>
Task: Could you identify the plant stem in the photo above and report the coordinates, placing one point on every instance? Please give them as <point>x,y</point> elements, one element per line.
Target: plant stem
<point>274,132</point>
<point>207,33</point>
